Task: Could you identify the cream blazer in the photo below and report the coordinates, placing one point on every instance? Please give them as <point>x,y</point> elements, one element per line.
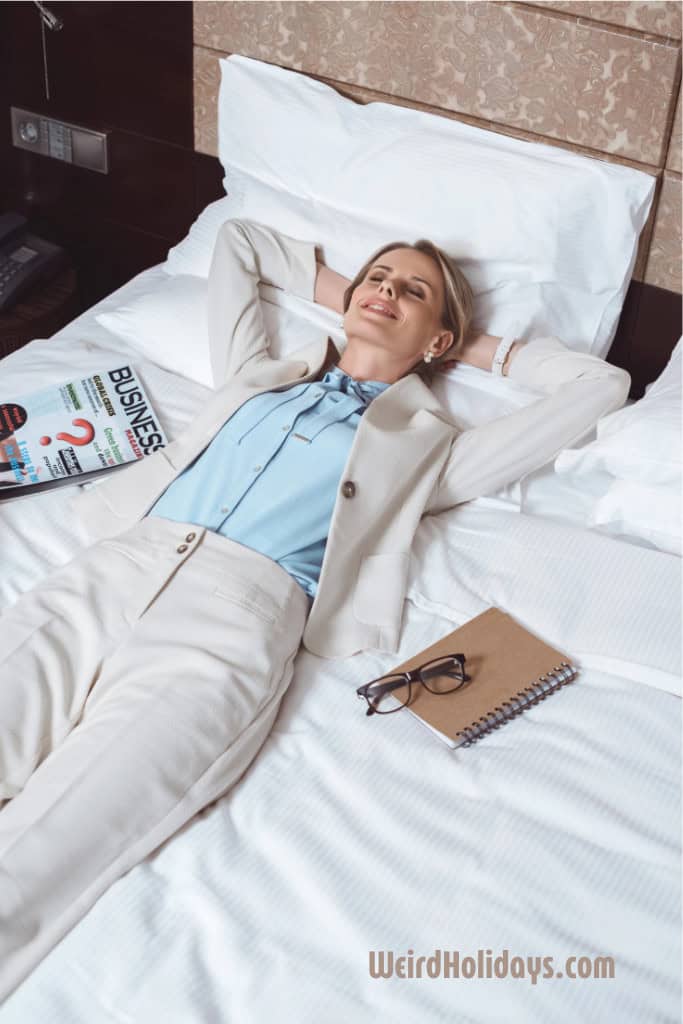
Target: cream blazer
<point>407,458</point>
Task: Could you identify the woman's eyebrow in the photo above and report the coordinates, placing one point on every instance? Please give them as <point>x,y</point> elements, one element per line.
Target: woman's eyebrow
<point>383,266</point>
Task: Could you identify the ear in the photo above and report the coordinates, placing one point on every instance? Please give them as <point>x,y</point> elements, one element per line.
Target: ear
<point>441,342</point>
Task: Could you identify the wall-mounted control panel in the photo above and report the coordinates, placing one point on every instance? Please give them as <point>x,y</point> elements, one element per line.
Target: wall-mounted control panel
<point>60,140</point>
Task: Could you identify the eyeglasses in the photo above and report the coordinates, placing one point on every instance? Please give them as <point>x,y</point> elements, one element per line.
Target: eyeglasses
<point>442,675</point>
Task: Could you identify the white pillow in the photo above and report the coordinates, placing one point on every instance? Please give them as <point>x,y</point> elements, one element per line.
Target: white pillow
<point>640,442</point>
<point>168,325</point>
<point>192,255</point>
<point>651,513</point>
<point>640,447</point>
<point>546,236</point>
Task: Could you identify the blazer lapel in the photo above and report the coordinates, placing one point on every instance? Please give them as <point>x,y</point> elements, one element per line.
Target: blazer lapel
<point>398,451</point>
<point>305,364</point>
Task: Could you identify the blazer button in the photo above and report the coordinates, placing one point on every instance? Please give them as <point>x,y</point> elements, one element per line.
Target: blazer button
<point>348,488</point>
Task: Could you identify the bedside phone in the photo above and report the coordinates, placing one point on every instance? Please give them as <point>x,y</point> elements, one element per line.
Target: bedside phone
<point>25,259</point>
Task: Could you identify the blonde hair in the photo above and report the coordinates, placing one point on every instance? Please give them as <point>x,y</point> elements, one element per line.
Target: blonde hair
<point>457,312</point>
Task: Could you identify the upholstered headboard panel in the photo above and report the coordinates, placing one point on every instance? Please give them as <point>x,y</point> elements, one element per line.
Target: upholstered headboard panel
<point>599,78</point>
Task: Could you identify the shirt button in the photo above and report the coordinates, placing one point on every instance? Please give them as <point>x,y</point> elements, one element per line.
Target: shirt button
<point>225,509</point>
<point>348,488</point>
<point>190,536</point>
<point>286,426</point>
<point>183,547</point>
<point>257,468</point>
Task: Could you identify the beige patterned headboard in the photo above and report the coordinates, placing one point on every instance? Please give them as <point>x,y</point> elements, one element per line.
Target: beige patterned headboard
<point>601,79</point>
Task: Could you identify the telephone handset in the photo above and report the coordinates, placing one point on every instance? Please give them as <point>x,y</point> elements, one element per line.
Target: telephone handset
<point>24,259</point>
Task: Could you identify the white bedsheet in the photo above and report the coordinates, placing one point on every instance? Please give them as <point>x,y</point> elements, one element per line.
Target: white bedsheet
<point>38,533</point>
<point>557,835</point>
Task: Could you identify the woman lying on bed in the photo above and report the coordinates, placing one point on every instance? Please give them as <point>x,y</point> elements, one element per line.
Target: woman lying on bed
<point>138,681</point>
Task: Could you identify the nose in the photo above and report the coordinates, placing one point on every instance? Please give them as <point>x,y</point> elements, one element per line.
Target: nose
<point>387,286</point>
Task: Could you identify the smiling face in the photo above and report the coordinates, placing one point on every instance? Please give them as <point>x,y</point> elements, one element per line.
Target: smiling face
<point>406,287</point>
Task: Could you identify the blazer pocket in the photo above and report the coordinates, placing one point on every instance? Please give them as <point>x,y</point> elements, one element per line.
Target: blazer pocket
<point>380,588</point>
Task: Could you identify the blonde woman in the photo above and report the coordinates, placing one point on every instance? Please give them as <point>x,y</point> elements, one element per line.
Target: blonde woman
<point>138,681</point>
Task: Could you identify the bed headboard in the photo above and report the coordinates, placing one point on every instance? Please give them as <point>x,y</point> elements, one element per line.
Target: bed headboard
<point>533,71</point>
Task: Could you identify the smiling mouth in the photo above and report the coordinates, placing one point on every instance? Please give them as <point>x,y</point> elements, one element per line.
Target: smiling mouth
<point>377,312</point>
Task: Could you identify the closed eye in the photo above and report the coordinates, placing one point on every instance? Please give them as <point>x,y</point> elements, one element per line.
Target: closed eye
<point>415,291</point>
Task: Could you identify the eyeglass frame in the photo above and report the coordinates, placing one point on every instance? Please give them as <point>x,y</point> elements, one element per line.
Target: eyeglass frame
<point>407,678</point>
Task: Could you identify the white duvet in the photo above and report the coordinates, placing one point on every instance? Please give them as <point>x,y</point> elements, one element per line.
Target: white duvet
<point>557,835</point>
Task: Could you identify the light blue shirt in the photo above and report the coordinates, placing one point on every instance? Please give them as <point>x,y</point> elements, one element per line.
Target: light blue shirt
<point>269,479</point>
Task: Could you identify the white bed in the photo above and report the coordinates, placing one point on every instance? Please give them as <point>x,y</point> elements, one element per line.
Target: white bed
<point>557,835</point>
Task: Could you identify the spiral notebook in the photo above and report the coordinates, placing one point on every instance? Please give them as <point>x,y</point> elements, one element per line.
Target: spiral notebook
<point>511,669</point>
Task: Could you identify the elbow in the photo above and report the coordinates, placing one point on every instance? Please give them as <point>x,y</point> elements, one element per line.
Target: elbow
<point>230,227</point>
<point>620,386</point>
<point>610,384</point>
<point>231,238</point>
<point>236,230</point>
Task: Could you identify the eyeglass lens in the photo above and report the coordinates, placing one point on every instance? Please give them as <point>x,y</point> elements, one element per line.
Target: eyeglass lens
<point>396,695</point>
<point>443,675</point>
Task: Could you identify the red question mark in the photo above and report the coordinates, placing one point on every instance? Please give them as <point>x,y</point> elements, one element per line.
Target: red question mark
<point>70,439</point>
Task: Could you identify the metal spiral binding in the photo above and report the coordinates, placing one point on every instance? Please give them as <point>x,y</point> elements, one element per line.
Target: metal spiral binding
<point>551,681</point>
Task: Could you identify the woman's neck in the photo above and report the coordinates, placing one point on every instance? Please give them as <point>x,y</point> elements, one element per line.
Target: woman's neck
<point>362,368</point>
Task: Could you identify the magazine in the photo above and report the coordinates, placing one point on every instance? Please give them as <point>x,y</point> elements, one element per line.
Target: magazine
<point>75,429</point>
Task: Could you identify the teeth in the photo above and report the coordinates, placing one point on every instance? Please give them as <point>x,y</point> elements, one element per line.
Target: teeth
<point>380,309</point>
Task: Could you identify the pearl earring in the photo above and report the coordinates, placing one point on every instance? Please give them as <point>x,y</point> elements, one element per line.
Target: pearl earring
<point>428,356</point>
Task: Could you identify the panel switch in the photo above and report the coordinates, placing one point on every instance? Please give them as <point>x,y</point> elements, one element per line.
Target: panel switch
<point>60,140</point>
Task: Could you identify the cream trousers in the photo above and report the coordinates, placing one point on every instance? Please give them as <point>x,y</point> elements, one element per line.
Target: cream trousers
<point>137,683</point>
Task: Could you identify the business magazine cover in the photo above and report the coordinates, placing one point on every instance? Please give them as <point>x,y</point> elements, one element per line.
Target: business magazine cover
<point>75,429</point>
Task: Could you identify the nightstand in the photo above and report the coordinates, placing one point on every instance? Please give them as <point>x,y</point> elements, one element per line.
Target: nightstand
<point>40,314</point>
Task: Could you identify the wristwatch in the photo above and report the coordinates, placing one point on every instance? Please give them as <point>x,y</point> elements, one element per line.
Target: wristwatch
<point>501,354</point>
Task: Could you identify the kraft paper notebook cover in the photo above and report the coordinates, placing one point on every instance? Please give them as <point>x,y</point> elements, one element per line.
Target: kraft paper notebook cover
<point>511,670</point>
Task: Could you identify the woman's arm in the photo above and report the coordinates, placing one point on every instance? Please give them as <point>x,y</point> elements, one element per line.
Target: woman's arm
<point>245,253</point>
<point>330,287</point>
<point>479,351</point>
<point>579,389</point>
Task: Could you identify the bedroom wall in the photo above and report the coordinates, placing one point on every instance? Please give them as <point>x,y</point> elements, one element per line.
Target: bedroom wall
<point>602,79</point>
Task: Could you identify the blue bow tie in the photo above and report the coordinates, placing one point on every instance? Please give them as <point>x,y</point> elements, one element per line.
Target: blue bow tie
<point>365,391</point>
